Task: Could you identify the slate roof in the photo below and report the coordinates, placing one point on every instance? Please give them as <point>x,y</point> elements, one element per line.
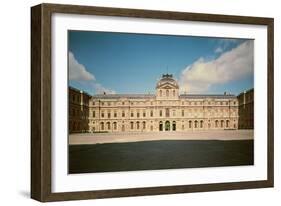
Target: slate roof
<point>213,96</point>
<point>120,96</point>
<point>152,96</point>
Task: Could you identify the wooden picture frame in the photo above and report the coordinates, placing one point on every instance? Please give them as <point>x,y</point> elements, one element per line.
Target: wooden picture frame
<point>41,172</point>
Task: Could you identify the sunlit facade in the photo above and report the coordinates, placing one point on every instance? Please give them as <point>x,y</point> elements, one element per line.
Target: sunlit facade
<point>166,110</point>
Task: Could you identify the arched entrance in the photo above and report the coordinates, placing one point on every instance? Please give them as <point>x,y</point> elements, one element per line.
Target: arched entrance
<point>167,126</point>
<point>160,126</point>
<point>174,126</point>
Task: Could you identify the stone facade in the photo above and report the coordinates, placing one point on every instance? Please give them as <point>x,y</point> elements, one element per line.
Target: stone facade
<point>246,109</point>
<point>78,111</point>
<point>166,110</point>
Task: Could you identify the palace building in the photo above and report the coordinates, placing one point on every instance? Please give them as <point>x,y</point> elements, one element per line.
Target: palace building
<point>166,110</point>
<point>246,109</point>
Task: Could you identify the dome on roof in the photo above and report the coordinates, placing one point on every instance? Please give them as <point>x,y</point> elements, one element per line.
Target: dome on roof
<point>167,79</point>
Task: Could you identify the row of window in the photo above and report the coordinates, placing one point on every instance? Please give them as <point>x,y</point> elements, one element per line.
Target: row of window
<point>142,125</point>
<point>78,113</point>
<point>167,113</point>
<point>107,103</point>
<point>137,125</point>
<point>167,93</point>
<point>75,98</point>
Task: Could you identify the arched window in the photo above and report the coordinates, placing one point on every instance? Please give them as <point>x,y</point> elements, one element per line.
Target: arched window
<point>195,124</point>
<point>102,125</point>
<point>115,125</point>
<point>222,123</point>
<point>216,123</point>
<point>167,92</point>
<point>132,125</point>
<point>108,125</point>
<point>143,125</point>
<point>138,125</point>
<point>201,124</point>
<point>190,124</point>
<point>227,123</point>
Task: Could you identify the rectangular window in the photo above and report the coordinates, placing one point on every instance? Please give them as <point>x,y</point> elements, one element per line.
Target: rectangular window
<point>182,113</point>
<point>108,115</point>
<point>160,113</point>
<point>143,114</point>
<point>123,114</point>
<point>102,114</point>
<point>138,114</point>
<point>167,112</point>
<point>151,113</point>
<point>94,114</point>
<point>132,114</point>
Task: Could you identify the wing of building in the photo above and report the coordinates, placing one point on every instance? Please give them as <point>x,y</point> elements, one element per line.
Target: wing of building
<point>166,110</point>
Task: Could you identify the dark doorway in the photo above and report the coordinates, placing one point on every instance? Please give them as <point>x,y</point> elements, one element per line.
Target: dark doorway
<point>167,126</point>
<point>174,126</point>
<point>160,126</point>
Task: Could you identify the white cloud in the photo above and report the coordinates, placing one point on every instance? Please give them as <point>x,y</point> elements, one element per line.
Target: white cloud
<point>223,44</point>
<point>77,71</point>
<point>99,89</point>
<point>229,66</point>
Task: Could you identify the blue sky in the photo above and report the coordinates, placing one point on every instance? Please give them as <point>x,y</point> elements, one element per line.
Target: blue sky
<point>132,63</point>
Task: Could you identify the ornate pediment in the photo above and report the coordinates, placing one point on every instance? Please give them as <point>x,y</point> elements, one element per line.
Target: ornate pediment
<point>167,82</point>
<point>167,85</point>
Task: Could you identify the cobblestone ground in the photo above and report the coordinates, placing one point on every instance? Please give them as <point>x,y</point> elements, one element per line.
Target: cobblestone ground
<point>98,138</point>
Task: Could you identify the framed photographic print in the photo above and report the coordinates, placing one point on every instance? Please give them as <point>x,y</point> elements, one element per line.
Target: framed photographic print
<point>130,102</point>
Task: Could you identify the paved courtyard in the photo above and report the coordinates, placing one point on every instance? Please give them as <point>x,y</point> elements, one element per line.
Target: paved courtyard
<point>99,138</point>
